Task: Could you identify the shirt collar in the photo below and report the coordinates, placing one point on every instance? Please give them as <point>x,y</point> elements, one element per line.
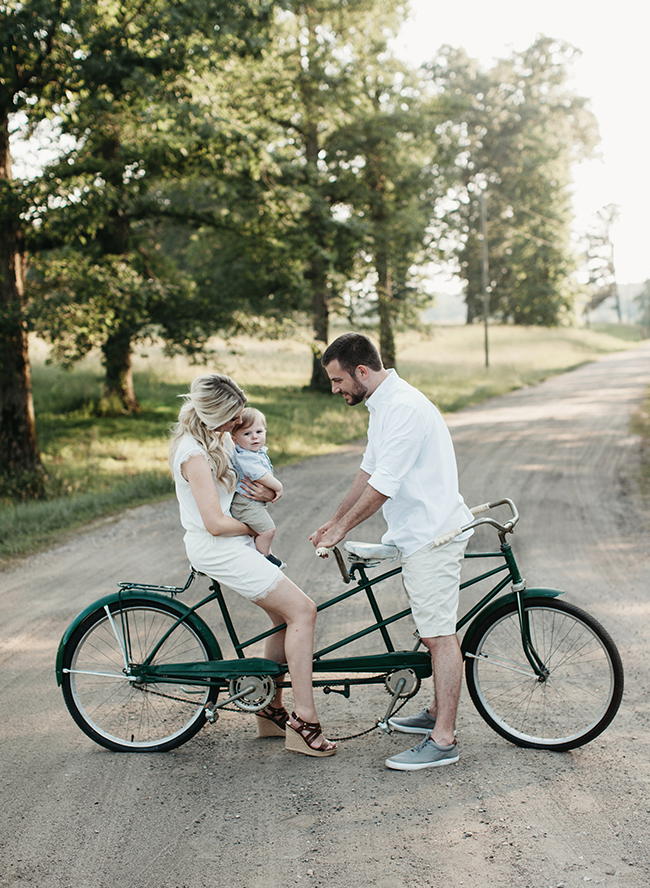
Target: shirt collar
<point>383,390</point>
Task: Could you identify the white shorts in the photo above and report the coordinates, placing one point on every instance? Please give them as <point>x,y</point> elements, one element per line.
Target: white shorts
<point>431,577</point>
<point>233,561</point>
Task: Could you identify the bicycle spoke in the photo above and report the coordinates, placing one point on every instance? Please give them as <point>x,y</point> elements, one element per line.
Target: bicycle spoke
<point>575,700</point>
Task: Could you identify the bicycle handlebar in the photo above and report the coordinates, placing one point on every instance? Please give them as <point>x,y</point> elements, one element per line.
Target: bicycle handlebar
<point>508,527</point>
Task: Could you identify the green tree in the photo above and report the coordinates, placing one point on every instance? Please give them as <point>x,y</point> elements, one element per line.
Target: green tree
<point>389,165</point>
<point>518,128</point>
<point>244,251</point>
<point>78,64</point>
<point>33,66</point>
<point>600,260</point>
<point>306,90</point>
<point>111,285</point>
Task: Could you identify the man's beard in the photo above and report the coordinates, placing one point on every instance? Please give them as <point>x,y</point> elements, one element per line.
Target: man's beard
<point>359,393</point>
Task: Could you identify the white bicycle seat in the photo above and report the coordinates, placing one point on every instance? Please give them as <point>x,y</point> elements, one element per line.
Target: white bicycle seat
<point>371,551</point>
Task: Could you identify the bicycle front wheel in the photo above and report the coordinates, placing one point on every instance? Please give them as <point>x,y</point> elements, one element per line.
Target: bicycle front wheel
<point>572,703</point>
<point>113,709</point>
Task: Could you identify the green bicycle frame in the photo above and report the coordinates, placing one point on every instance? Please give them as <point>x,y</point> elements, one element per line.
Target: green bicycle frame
<point>217,670</point>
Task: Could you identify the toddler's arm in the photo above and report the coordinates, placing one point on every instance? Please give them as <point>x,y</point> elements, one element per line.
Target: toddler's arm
<point>272,483</point>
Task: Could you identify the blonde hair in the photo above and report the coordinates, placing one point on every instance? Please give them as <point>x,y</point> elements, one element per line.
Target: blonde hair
<point>249,416</point>
<point>213,400</point>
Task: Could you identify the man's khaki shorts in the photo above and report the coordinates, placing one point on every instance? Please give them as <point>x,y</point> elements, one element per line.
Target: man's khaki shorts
<point>431,577</point>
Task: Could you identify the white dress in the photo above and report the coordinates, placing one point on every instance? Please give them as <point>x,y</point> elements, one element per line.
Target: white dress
<point>231,560</point>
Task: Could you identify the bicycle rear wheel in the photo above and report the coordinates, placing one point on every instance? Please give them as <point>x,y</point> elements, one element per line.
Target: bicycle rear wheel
<point>574,703</point>
<point>118,712</point>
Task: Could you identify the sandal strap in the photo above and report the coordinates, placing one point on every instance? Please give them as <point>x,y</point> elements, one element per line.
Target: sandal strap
<point>309,731</point>
<point>277,714</point>
<point>274,710</point>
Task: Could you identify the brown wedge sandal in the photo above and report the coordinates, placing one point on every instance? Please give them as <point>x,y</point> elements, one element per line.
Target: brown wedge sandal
<point>302,738</point>
<point>271,721</point>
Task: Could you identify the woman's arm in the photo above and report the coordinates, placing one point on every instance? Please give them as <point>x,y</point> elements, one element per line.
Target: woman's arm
<point>257,491</point>
<point>199,475</point>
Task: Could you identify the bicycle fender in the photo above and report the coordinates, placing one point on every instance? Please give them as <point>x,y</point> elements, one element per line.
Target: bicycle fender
<point>116,597</point>
<point>499,602</point>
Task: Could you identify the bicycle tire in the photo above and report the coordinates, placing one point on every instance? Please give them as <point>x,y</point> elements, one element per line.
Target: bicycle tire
<point>127,716</point>
<point>569,708</point>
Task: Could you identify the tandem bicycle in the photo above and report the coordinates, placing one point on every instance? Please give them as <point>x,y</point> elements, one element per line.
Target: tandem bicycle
<point>141,671</point>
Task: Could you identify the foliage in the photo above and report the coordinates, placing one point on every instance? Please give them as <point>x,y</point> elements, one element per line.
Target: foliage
<point>389,175</point>
<point>101,278</point>
<point>599,256</point>
<point>96,71</point>
<point>303,93</point>
<point>518,128</point>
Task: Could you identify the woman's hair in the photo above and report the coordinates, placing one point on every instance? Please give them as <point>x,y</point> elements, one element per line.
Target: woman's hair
<point>250,416</point>
<point>352,350</point>
<point>213,400</point>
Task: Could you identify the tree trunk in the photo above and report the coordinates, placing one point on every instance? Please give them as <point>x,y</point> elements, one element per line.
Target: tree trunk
<point>21,470</point>
<point>119,392</point>
<point>317,276</point>
<point>385,305</point>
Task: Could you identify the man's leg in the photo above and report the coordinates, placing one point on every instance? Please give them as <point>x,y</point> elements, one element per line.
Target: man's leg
<point>432,577</point>
<point>447,662</point>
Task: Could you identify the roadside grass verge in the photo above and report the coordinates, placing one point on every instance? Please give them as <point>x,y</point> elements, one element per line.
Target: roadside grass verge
<point>99,465</point>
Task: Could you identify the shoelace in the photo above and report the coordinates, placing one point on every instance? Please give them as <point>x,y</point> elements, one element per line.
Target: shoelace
<point>422,744</point>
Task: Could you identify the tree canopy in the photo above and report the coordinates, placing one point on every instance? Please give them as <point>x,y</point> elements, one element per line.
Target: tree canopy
<point>518,130</point>
<point>230,161</point>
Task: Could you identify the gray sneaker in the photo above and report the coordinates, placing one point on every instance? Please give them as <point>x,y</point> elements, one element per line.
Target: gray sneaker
<point>426,754</point>
<point>422,723</point>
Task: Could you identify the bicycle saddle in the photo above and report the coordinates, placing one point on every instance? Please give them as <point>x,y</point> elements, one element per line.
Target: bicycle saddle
<point>371,551</point>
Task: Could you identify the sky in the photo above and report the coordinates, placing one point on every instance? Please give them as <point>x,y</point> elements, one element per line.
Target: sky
<point>613,72</point>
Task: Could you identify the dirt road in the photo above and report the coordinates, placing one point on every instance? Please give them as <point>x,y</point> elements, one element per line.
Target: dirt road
<point>230,810</point>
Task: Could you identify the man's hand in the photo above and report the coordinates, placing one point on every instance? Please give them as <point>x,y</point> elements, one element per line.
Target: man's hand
<point>259,492</point>
<point>362,502</point>
<point>328,535</point>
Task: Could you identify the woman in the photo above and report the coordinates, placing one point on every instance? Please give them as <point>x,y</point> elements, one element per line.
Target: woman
<point>222,547</point>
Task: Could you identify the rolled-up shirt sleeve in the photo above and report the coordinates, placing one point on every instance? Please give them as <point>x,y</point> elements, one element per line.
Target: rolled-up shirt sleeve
<point>398,447</point>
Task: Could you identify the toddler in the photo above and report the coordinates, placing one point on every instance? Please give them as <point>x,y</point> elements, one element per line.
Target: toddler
<point>251,461</point>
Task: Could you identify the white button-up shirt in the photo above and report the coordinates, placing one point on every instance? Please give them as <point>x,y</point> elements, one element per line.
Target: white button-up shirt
<point>410,459</point>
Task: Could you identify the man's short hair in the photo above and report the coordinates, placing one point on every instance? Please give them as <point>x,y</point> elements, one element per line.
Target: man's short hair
<point>351,350</point>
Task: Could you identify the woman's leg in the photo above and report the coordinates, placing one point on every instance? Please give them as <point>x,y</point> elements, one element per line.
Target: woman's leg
<point>298,611</point>
<point>274,649</point>
<point>288,604</point>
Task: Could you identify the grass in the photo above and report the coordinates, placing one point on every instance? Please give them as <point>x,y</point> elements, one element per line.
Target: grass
<point>100,465</point>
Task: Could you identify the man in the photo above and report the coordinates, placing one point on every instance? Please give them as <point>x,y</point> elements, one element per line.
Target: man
<point>409,471</point>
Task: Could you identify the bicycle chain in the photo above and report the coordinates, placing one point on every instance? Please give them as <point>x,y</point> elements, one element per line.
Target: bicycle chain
<point>228,709</point>
<point>369,731</point>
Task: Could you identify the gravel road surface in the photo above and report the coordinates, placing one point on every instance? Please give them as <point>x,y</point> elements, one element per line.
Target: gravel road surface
<point>228,809</point>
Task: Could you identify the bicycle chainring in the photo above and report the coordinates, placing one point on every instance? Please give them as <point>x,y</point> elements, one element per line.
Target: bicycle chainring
<point>411,683</point>
<point>263,692</point>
